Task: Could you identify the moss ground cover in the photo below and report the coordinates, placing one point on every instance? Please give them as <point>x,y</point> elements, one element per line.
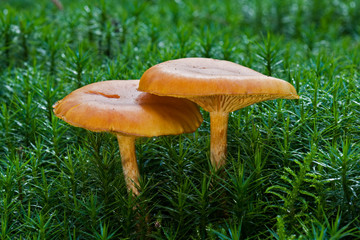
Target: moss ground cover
<point>293,167</point>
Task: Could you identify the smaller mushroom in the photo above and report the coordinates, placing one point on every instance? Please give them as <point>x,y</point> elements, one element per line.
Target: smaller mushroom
<point>117,107</point>
<point>219,87</point>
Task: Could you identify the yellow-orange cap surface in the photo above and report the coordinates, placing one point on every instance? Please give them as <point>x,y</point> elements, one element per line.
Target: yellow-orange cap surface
<point>117,106</point>
<point>210,82</point>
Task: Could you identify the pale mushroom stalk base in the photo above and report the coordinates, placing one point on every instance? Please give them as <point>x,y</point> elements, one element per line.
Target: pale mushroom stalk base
<point>218,138</point>
<point>129,163</point>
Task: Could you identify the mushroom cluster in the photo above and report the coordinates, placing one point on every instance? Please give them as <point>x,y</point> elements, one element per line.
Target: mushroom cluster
<point>165,102</point>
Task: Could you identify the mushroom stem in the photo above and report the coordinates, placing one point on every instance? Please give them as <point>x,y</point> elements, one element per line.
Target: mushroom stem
<point>218,138</point>
<point>129,163</point>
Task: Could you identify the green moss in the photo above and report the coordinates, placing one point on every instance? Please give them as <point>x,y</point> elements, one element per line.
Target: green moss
<point>293,165</point>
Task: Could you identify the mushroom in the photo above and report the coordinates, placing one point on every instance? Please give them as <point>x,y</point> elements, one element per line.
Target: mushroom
<point>219,87</point>
<point>117,107</point>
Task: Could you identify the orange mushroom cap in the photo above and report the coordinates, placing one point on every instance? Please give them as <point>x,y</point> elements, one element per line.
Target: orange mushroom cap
<point>116,106</point>
<point>211,82</point>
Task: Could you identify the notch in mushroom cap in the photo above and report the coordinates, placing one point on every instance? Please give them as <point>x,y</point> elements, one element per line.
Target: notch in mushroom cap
<point>116,106</point>
<point>219,87</point>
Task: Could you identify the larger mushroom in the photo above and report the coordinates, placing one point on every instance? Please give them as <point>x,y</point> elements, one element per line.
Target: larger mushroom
<point>219,87</point>
<point>116,106</point>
